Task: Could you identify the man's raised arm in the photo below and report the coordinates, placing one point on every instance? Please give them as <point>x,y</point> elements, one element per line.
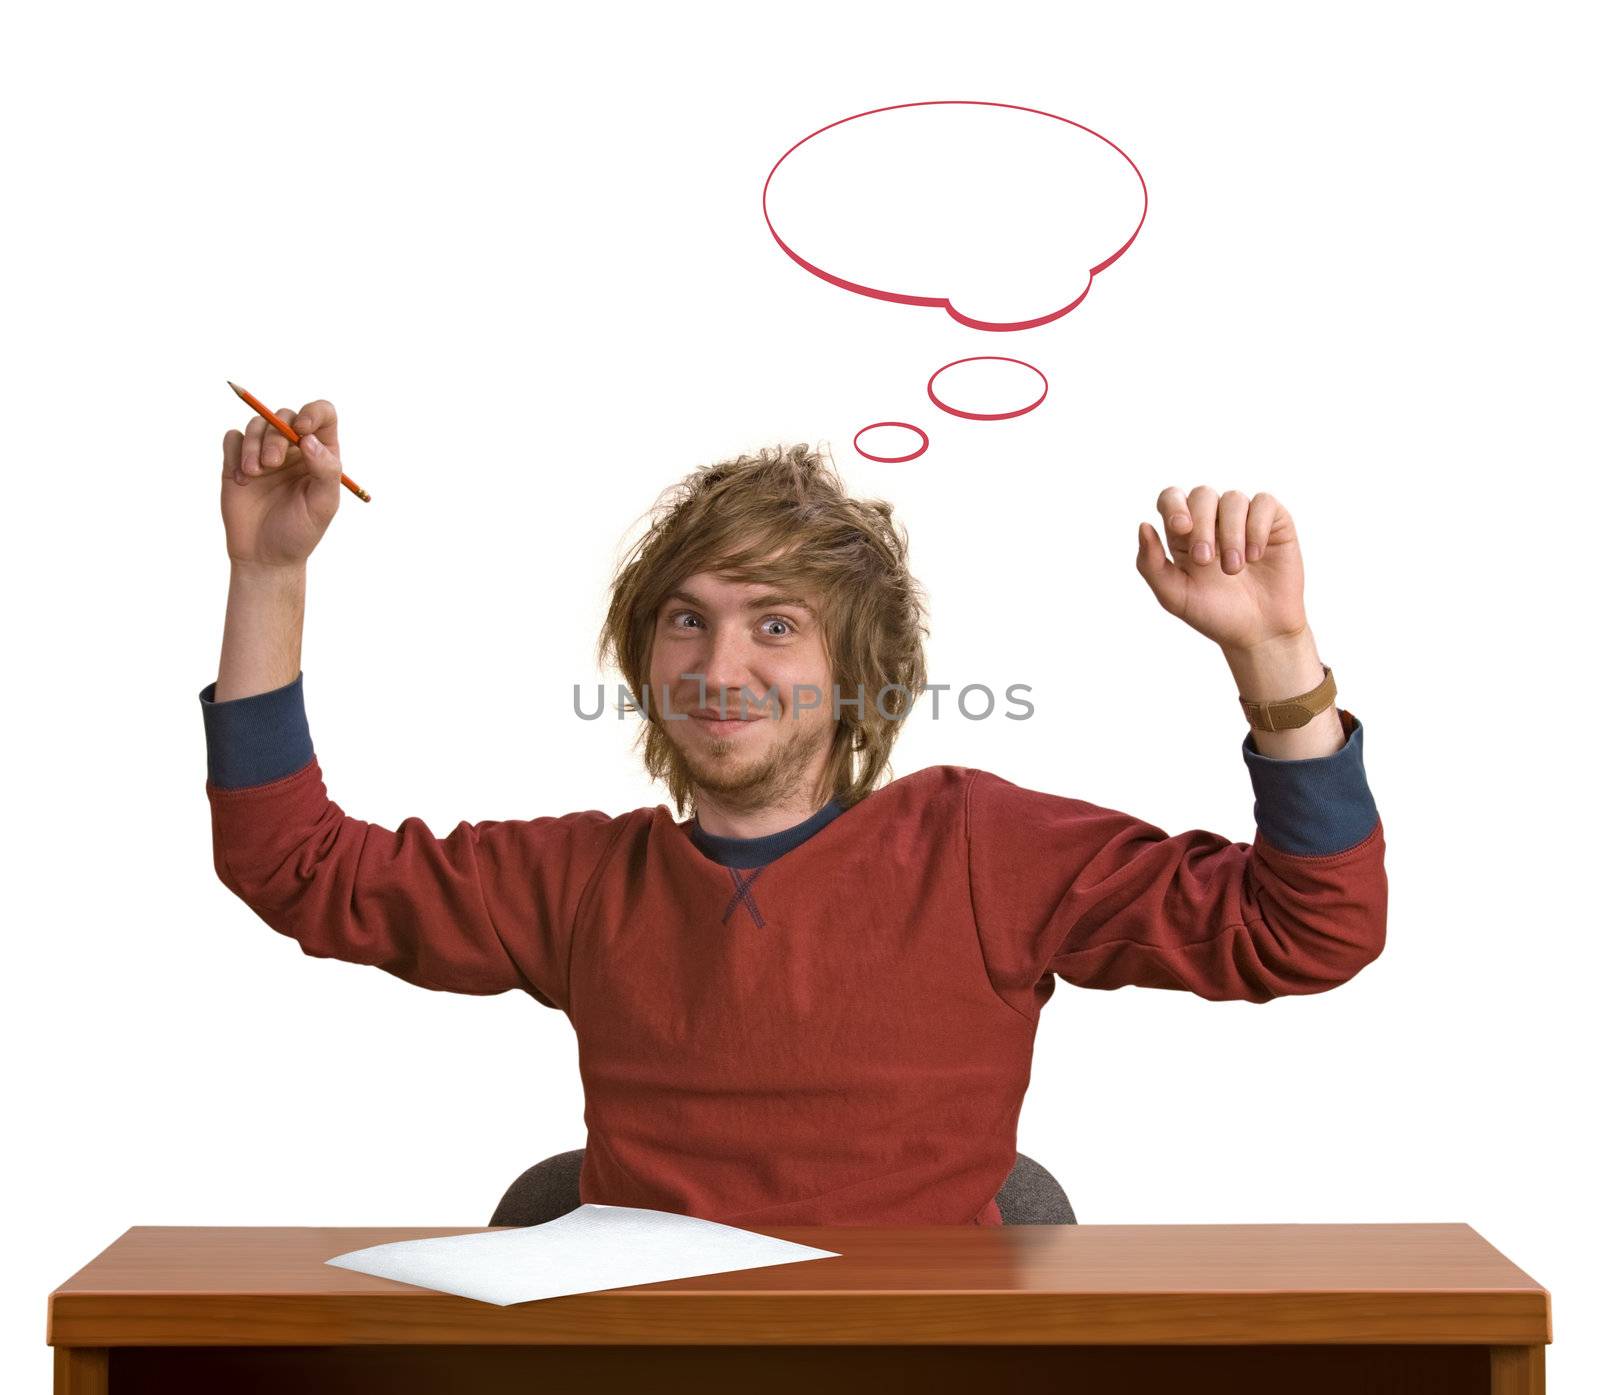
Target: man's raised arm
<point>488,907</point>
<point>1107,900</point>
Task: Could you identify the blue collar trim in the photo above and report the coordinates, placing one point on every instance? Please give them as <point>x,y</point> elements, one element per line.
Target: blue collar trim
<point>757,852</point>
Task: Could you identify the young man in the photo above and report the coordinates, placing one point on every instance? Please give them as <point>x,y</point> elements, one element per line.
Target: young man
<point>814,1000</point>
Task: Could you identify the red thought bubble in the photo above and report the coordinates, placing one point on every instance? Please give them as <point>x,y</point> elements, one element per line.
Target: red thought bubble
<point>890,459</point>
<point>1000,215</point>
<point>987,386</point>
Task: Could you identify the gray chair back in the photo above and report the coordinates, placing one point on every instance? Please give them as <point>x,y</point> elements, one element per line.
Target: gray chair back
<point>1030,1196</point>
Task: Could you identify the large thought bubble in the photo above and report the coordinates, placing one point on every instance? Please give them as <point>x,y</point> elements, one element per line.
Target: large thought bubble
<point>1000,215</point>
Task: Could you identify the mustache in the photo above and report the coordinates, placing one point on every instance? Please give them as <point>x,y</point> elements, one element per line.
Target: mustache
<point>741,701</point>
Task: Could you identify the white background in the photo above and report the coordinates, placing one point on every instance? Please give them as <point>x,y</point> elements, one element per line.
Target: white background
<point>521,249</point>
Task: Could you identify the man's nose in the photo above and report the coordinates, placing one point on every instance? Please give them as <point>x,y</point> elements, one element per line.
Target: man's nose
<point>725,661</point>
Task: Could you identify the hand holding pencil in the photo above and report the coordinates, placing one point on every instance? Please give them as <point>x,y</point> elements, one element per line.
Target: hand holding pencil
<point>278,498</point>
<point>277,421</point>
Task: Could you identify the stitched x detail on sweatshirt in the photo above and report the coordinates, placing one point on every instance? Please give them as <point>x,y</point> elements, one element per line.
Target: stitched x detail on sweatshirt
<point>741,892</point>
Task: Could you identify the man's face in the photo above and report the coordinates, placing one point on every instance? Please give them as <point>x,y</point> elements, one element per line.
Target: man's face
<point>757,650</point>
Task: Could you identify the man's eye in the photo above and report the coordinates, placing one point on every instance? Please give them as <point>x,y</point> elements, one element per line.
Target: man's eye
<point>778,620</point>
<point>681,615</point>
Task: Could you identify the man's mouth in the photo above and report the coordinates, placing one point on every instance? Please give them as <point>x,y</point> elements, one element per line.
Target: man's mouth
<point>714,719</point>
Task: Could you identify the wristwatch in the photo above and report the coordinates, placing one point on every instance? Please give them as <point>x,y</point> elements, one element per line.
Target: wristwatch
<point>1291,712</point>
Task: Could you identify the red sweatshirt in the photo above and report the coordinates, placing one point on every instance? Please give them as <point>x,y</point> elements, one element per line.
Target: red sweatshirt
<point>844,1034</point>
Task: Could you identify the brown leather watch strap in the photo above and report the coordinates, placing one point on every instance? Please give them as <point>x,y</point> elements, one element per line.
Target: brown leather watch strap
<point>1291,712</point>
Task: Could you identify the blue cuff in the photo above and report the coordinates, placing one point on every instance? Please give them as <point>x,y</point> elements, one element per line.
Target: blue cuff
<point>255,740</point>
<point>1313,807</point>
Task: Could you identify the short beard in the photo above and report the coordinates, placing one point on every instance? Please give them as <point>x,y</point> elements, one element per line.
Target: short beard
<point>772,781</point>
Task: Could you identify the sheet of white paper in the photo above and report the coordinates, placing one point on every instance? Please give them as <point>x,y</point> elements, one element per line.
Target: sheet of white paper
<point>595,1247</point>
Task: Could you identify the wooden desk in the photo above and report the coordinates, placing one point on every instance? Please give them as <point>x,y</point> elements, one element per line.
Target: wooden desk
<point>1240,1308</point>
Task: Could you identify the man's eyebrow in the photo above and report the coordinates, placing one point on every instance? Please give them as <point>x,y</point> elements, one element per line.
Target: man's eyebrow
<point>754,603</point>
<point>773,599</point>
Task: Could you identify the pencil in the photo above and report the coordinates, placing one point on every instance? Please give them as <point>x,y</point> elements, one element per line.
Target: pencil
<point>275,421</point>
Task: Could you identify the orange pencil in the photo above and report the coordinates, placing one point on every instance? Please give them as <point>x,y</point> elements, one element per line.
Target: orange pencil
<point>288,431</point>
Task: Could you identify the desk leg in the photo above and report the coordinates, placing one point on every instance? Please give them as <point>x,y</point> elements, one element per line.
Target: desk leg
<point>83,1370</point>
<point>1516,1370</point>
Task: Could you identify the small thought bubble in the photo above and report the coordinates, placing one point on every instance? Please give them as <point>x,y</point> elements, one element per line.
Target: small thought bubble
<point>989,382</point>
<point>1000,215</point>
<point>886,439</point>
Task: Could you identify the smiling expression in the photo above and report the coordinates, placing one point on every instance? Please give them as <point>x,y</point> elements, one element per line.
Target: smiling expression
<point>756,651</point>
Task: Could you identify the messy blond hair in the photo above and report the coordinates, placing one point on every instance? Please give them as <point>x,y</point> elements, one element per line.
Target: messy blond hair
<point>783,516</point>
